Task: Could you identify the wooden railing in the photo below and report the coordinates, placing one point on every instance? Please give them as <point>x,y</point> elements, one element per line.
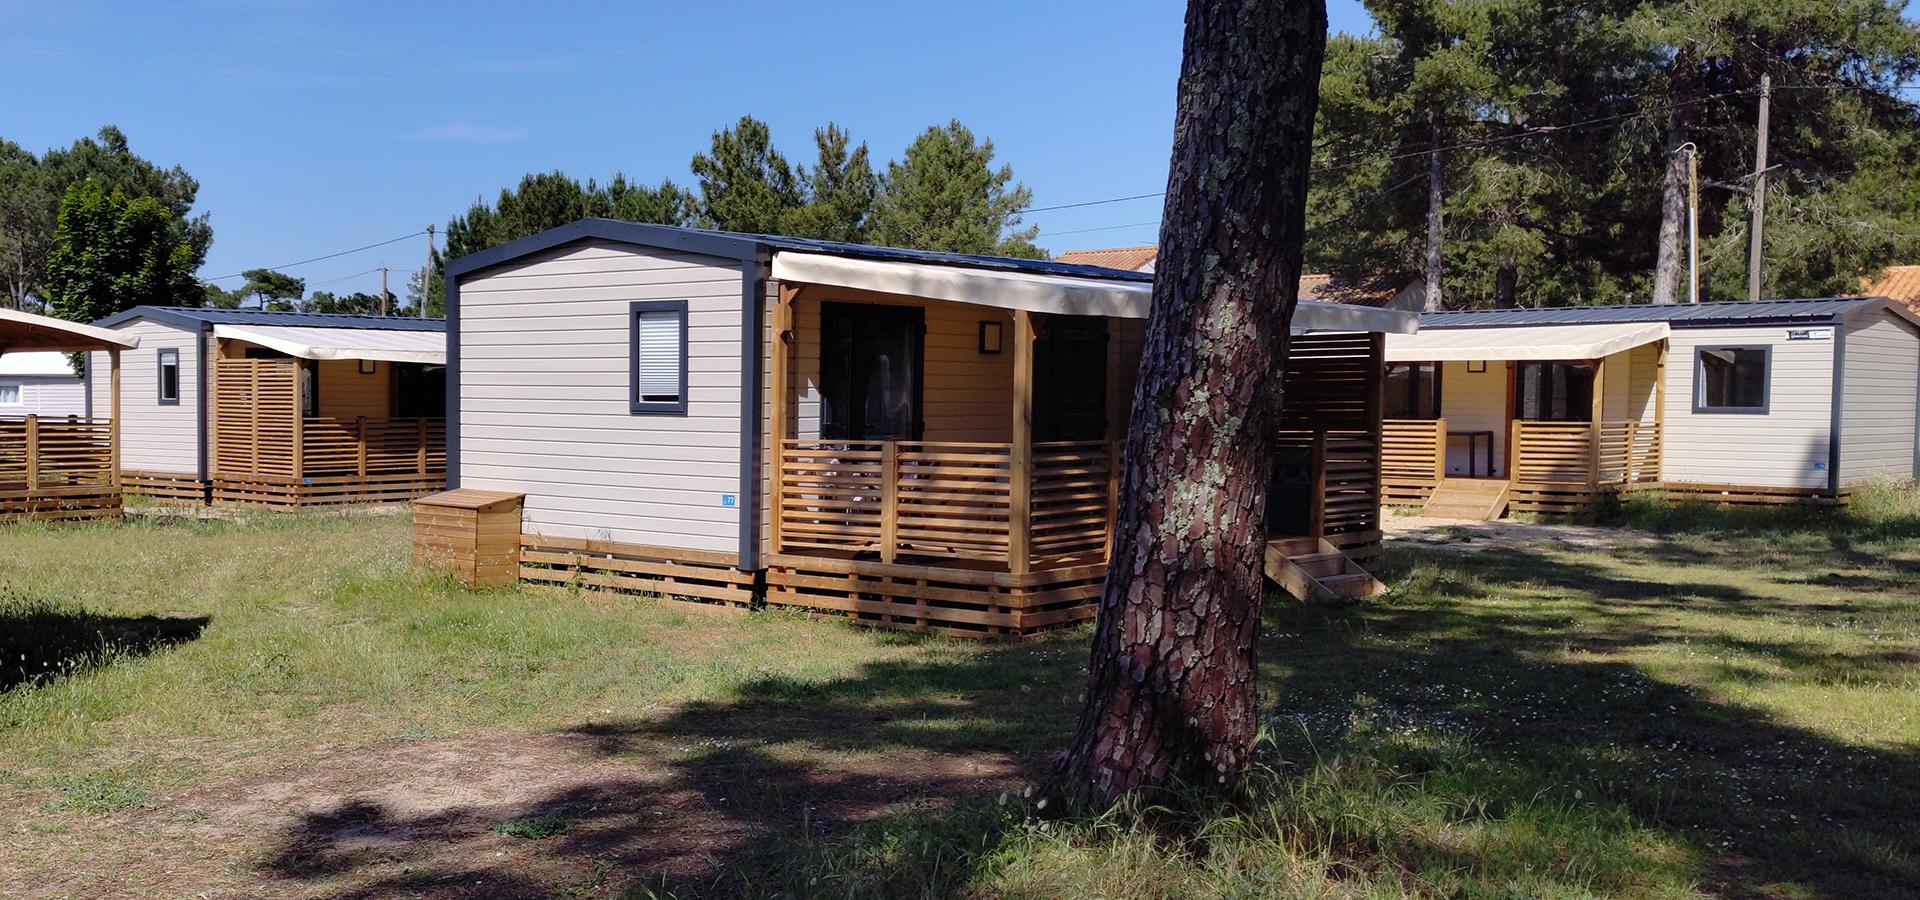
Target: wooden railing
<point>942,500</point>
<point>365,446</point>
<point>1578,453</point>
<point>1413,449</point>
<point>42,454</point>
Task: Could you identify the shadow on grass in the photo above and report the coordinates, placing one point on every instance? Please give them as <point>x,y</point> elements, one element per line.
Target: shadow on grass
<point>41,640</point>
<point>1491,745</point>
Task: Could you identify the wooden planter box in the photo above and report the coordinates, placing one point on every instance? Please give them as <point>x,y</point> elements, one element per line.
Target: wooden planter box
<point>472,535</point>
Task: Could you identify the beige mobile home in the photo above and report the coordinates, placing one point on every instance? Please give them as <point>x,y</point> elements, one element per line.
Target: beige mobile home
<point>284,409</point>
<point>61,467</point>
<point>1546,410</point>
<point>40,384</point>
<point>921,440</point>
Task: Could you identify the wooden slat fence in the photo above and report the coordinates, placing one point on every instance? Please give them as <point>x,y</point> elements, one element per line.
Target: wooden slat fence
<point>372,446</point>
<point>1553,453</point>
<point>255,412</point>
<point>39,453</point>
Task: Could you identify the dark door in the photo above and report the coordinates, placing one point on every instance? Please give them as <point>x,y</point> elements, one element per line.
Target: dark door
<point>1553,392</point>
<point>1290,494</point>
<point>1070,379</point>
<point>871,371</point>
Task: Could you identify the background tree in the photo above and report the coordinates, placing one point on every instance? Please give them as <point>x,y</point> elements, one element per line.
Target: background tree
<point>945,194</point>
<point>270,290</point>
<point>744,183</point>
<point>838,191</point>
<point>112,253</point>
<point>358,303</point>
<point>1170,691</point>
<point>32,189</point>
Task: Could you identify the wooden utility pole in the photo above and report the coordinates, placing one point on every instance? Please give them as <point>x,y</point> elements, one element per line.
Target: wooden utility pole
<point>1693,222</point>
<point>1170,682</point>
<point>383,290</point>
<point>1759,200</point>
<point>426,274</point>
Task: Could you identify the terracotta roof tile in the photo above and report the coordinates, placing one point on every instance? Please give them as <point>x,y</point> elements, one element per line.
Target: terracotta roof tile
<point>1898,283</point>
<point>1132,259</point>
<point>1365,290</point>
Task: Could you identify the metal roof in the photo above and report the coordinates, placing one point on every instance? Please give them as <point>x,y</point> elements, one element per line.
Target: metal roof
<point>181,315</point>
<point>1683,315</point>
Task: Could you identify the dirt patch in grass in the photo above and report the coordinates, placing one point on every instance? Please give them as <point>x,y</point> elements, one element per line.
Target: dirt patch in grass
<point>594,808</point>
<point>1507,534</point>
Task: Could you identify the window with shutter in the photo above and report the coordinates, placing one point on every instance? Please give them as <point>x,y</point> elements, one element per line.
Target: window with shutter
<point>659,364</point>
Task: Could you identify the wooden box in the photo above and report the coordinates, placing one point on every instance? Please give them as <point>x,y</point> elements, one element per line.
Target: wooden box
<point>472,535</point>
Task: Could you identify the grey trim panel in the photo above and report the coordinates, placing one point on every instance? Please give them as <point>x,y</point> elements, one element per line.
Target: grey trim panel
<point>159,383</point>
<point>1700,384</point>
<point>452,300</point>
<point>86,384</point>
<point>200,380</point>
<point>635,405</point>
<point>1833,426</point>
<point>664,237</point>
<point>754,277</point>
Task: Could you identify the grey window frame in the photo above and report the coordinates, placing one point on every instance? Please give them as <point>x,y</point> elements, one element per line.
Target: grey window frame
<point>1700,406</point>
<point>636,406</point>
<point>159,379</point>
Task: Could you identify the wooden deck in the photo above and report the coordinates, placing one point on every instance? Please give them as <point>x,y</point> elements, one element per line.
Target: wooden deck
<point>265,453</point>
<point>57,469</point>
<point>1557,468</point>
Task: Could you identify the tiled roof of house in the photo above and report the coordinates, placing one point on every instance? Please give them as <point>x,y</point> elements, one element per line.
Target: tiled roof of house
<point>1363,290</point>
<point>1900,283</point>
<point>1131,259</point>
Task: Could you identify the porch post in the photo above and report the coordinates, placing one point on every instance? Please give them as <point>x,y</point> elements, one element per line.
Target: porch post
<point>212,400</point>
<point>299,426</point>
<point>781,391</point>
<point>889,500</point>
<point>1317,501</point>
<point>113,409</point>
<point>1440,450</point>
<point>1020,467</point>
<point>33,455</point>
<point>1598,419</point>
<point>360,445</point>
<point>1660,412</point>
<point>419,444</point>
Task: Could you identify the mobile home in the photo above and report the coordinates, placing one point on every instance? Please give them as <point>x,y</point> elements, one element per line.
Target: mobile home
<point>60,466</point>
<point>921,440</point>
<point>1547,410</point>
<point>286,409</point>
<point>40,384</point>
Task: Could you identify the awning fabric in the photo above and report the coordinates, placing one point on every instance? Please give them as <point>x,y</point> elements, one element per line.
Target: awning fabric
<point>40,363</point>
<point>429,347</point>
<point>1036,292</point>
<point>1526,342</point>
<point>23,331</point>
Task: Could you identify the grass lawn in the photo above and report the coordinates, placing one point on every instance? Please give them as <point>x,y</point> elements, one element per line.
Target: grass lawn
<point>1723,704</point>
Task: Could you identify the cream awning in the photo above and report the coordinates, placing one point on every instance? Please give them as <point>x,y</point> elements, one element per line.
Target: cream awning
<point>1044,293</point>
<point>23,331</point>
<point>429,347</point>
<point>1538,342</point>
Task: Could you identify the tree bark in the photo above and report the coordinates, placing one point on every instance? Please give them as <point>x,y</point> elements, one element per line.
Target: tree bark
<point>1170,691</point>
<point>1667,261</point>
<point>1436,195</point>
<point>1506,284</point>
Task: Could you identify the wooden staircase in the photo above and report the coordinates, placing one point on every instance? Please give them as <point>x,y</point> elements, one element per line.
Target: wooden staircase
<point>1478,499</point>
<point>1312,569</point>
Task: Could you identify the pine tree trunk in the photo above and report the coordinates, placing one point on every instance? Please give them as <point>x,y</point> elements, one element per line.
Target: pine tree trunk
<point>1673,193</point>
<point>1506,284</point>
<point>1170,693</point>
<point>1436,195</point>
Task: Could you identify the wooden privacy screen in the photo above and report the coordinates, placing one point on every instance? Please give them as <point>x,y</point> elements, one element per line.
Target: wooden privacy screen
<point>256,408</point>
<point>1332,407</point>
<point>57,469</point>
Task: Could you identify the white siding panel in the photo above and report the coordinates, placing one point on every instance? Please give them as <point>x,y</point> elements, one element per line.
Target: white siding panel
<point>47,395</point>
<point>544,392</point>
<point>1786,447</point>
<point>153,438</point>
<point>1879,405</point>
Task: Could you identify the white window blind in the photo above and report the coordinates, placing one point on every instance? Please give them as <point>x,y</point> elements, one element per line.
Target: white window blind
<point>10,394</point>
<point>660,379</point>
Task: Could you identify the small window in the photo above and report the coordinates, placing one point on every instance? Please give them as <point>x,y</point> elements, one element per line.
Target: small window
<point>1412,390</point>
<point>1731,379</point>
<point>10,394</point>
<point>659,358</point>
<point>169,377</point>
<point>1553,392</point>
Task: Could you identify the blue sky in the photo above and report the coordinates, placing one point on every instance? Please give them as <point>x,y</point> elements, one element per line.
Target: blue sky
<point>315,127</point>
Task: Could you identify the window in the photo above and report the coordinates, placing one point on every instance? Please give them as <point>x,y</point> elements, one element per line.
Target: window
<point>169,377</point>
<point>10,394</point>
<point>1070,379</point>
<point>658,364</point>
<point>1553,392</point>
<point>1730,379</point>
<point>1413,390</point>
<point>870,371</point>
<point>419,390</point>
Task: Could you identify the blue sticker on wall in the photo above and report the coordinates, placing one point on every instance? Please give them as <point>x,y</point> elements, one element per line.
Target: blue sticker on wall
<point>729,500</point>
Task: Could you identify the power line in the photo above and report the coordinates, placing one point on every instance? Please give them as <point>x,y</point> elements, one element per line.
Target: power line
<point>326,257</point>
<point>1102,228</point>
<point>344,278</point>
<point>1091,202</point>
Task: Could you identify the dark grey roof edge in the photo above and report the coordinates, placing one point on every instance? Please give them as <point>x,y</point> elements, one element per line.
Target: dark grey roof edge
<point>195,317</point>
<point>1830,310</point>
<point>748,247</point>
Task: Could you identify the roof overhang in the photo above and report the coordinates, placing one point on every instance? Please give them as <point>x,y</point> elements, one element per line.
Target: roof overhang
<point>1524,342</point>
<point>23,331</point>
<point>1043,293</point>
<point>428,347</point>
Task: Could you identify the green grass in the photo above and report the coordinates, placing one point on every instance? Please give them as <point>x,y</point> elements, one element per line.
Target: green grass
<point>1731,709</point>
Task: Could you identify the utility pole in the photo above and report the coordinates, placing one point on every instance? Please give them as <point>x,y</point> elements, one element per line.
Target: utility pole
<point>383,290</point>
<point>1693,222</point>
<point>1759,198</point>
<point>426,274</point>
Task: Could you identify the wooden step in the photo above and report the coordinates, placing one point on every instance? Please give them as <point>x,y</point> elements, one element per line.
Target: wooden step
<point>1312,569</point>
<point>1475,499</point>
<point>1321,565</point>
<point>1353,586</point>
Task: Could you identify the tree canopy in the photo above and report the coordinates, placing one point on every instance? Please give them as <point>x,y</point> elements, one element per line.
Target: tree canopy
<point>111,252</point>
<point>946,195</point>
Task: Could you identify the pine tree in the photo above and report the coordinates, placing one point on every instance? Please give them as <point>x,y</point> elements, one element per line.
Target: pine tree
<point>946,195</point>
